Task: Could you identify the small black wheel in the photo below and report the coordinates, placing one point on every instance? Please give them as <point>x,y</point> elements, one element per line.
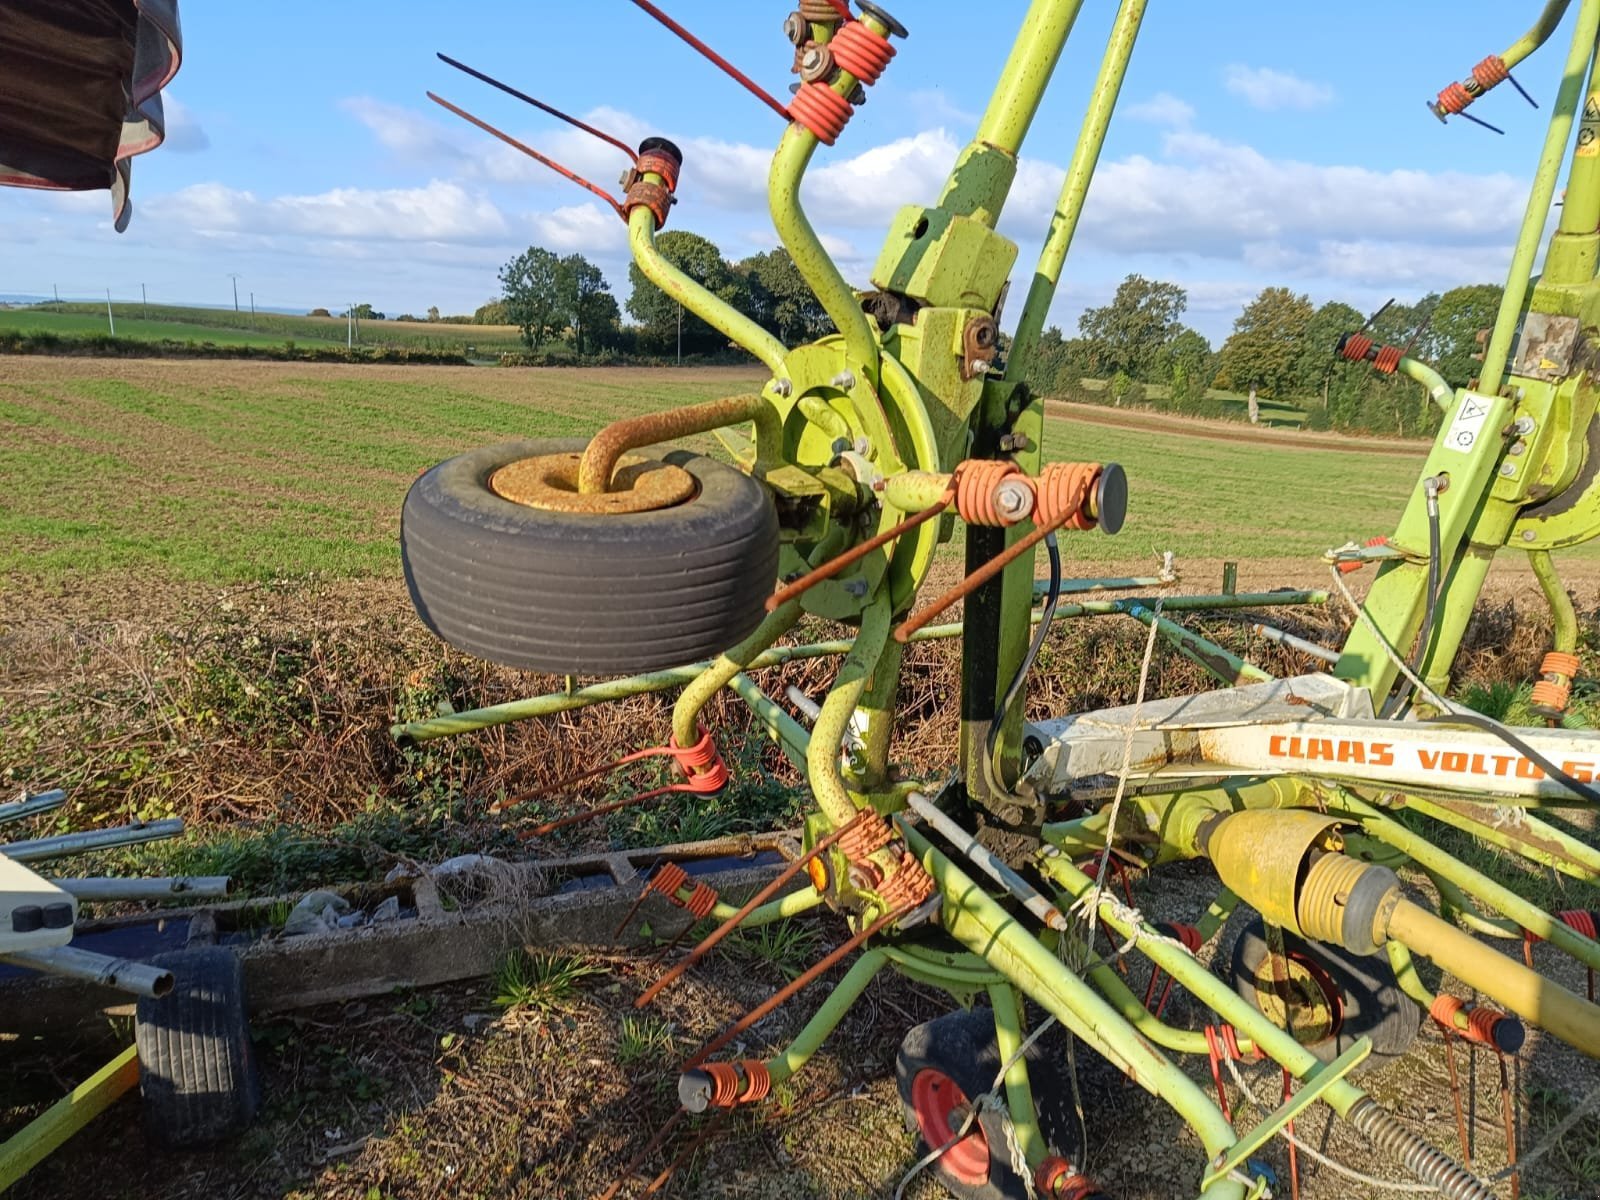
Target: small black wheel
<point>946,1064</point>
<point>197,1068</point>
<point>578,593</point>
<point>1336,997</point>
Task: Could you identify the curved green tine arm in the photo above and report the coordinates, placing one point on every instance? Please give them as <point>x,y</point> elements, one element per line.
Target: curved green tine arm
<point>1543,27</point>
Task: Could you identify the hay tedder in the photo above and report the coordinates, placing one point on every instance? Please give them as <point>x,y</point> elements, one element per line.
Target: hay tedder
<point>1307,795</point>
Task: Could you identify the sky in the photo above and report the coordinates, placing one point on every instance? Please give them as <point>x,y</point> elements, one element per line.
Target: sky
<point>1255,144</point>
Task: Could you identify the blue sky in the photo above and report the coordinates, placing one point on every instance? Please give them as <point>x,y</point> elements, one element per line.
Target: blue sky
<point>1255,144</point>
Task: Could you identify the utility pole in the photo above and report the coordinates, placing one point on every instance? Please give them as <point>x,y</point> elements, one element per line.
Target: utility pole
<point>111,320</point>
<point>57,290</point>
<point>252,310</point>
<point>680,335</point>
<point>350,328</point>
<point>145,300</point>
<point>233,276</point>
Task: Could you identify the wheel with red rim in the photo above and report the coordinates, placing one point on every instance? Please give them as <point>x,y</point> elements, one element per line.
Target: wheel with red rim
<point>1334,997</point>
<point>946,1064</point>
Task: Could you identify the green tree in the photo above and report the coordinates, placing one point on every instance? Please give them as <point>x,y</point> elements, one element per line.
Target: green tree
<point>531,284</point>
<point>1189,365</point>
<point>1267,342</point>
<point>1462,313</point>
<point>1129,333</point>
<point>778,299</point>
<point>492,313</point>
<point>433,312</point>
<point>658,314</point>
<point>365,312</point>
<point>584,295</point>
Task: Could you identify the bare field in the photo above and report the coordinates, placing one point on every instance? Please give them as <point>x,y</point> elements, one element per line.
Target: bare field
<point>201,615</point>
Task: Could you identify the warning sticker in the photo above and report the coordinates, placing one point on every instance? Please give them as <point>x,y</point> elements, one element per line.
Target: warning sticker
<point>1468,425</point>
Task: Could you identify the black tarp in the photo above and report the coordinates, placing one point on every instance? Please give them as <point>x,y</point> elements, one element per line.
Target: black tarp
<point>80,91</point>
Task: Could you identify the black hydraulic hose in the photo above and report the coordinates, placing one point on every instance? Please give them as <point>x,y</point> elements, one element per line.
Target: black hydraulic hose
<point>1432,602</point>
<point>1052,597</point>
<point>1457,716</point>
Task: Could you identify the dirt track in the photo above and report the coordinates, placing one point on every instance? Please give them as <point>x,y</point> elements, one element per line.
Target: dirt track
<point>1232,431</point>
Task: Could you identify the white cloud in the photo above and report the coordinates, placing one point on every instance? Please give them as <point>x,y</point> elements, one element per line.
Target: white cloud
<point>183,132</point>
<point>1162,109</point>
<point>1270,90</point>
<point>439,211</point>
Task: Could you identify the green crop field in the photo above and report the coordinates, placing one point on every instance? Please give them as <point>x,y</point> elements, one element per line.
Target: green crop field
<point>225,472</point>
<point>224,327</point>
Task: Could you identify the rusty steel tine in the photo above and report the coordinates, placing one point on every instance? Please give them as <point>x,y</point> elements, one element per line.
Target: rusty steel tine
<point>1455,1094</point>
<point>783,994</point>
<point>668,947</point>
<point>1481,121</point>
<point>633,155</point>
<point>834,565</point>
<point>684,1155</point>
<point>637,1160</point>
<point>1509,1117</point>
<point>632,912</point>
<point>529,151</point>
<point>750,906</point>
<point>978,578</point>
<point>716,59</point>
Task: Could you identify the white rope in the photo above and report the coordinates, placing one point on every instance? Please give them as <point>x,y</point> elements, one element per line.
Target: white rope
<point>1551,1139</point>
<point>1099,889</point>
<point>1426,692</point>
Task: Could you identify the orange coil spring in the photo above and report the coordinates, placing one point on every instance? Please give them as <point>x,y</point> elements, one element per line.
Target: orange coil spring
<point>909,885</point>
<point>976,481</point>
<point>1549,694</point>
<point>1075,1188</point>
<point>669,877</point>
<point>1581,921</point>
<point>870,833</point>
<point>701,764</point>
<point>653,196</point>
<point>758,1081</point>
<point>701,901</point>
<point>862,51</point>
<point>725,1084</point>
<point>661,164</point>
<point>1559,663</point>
<point>1453,99</point>
<point>1482,1022</point>
<point>822,110</point>
<point>1491,71</point>
<point>1356,347</point>
<point>819,12</point>
<point>1388,359</point>
<point>1063,495</point>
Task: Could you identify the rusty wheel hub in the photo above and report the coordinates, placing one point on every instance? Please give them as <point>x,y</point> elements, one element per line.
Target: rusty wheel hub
<point>1313,1000</point>
<point>550,482</point>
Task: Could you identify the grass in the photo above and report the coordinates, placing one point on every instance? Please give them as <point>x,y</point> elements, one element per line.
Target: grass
<point>224,327</point>
<point>787,945</point>
<point>643,1040</point>
<point>540,983</point>
<point>1270,412</point>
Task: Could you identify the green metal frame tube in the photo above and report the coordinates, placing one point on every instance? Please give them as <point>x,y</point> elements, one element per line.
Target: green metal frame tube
<point>822,754</point>
<point>1225,665</point>
<point>1168,1037</point>
<point>1526,835</point>
<point>791,736</point>
<point>1219,602</point>
<point>1539,199</point>
<point>792,904</point>
<point>1026,75</point>
<point>1580,208</point>
<point>1474,883</point>
<point>1009,1036</point>
<point>1466,911</point>
<point>1565,635</point>
<point>973,918</point>
<point>1440,392</point>
<point>718,314</point>
<point>686,712</point>
<point>811,259</point>
<point>826,1019</point>
<point>1075,188</point>
<point>1543,27</point>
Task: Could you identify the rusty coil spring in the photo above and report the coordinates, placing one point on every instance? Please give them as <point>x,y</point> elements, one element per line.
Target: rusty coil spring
<point>820,109</point>
<point>1482,1020</point>
<point>976,481</point>
<point>758,1081</point>
<point>725,1084</point>
<point>648,195</point>
<point>909,886</point>
<point>1388,358</point>
<point>862,51</point>
<point>1558,662</point>
<point>820,12</point>
<point>702,766</point>
<point>1551,694</point>
<point>1576,919</point>
<point>869,834</point>
<point>701,901</point>
<point>1453,99</point>
<point>664,165</point>
<point>1490,71</point>
<point>1062,495</point>
<point>669,877</point>
<point>1356,346</point>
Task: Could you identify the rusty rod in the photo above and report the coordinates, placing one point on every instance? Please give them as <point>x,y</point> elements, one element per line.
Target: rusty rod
<point>608,446</point>
<point>784,994</point>
<point>733,72</point>
<point>750,905</point>
<point>667,1172</point>
<point>834,565</point>
<point>637,1160</point>
<point>978,578</point>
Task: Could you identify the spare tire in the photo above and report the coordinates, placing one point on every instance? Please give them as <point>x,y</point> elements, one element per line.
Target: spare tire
<point>572,593</point>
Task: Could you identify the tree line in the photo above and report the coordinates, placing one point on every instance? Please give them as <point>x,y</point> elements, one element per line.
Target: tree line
<point>1281,347</point>
<point>566,300</point>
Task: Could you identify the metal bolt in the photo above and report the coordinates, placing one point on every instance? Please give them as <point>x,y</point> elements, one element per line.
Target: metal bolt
<point>863,447</point>
<point>1507,470</point>
<point>1523,426</point>
<point>1015,441</point>
<point>1528,535</point>
<point>1013,498</point>
<point>816,64</point>
<point>845,381</point>
<point>796,28</point>
<point>1518,448</point>
<point>981,368</point>
<point>782,387</point>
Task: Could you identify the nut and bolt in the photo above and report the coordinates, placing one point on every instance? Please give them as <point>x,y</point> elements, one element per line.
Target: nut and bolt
<point>1523,426</point>
<point>1011,442</point>
<point>1507,470</point>
<point>1518,447</point>
<point>845,381</point>
<point>863,447</point>
<point>782,387</point>
<point>981,367</point>
<point>816,64</point>
<point>796,28</point>
<point>1014,499</point>
<point>856,588</point>
<point>1528,535</point>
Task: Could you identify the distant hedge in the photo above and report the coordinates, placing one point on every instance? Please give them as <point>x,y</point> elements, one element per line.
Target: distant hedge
<point>102,346</point>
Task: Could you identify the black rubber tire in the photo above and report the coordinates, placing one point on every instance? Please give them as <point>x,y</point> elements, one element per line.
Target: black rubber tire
<point>962,1046</point>
<point>570,594</point>
<point>1373,1004</point>
<point>197,1067</point>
